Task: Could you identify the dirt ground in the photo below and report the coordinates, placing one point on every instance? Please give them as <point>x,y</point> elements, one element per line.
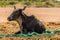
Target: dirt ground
<point>50,17</point>
<point>43,14</point>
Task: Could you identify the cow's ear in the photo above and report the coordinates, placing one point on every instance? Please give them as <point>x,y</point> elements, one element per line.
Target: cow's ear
<point>24,7</point>
<point>14,7</point>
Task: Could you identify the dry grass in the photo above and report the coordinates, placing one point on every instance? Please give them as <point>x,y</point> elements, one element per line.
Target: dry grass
<point>9,27</point>
<point>38,37</point>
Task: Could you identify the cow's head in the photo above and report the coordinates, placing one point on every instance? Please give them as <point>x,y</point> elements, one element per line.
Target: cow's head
<point>15,14</point>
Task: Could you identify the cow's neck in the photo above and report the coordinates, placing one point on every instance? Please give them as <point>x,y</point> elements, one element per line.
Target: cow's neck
<point>24,17</point>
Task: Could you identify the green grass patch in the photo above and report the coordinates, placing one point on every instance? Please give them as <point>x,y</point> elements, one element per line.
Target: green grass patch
<point>39,4</point>
<point>30,3</point>
<point>5,3</point>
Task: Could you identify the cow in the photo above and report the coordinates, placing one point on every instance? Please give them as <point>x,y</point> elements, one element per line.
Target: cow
<point>27,23</point>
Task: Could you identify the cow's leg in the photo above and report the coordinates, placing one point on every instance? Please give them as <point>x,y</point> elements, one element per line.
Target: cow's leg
<point>25,31</point>
<point>39,28</point>
<point>18,32</point>
<point>31,26</point>
<point>30,29</point>
<point>19,20</point>
<point>21,30</point>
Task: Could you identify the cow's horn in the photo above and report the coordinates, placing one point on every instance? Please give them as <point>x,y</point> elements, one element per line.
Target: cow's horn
<point>14,7</point>
<point>24,7</point>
